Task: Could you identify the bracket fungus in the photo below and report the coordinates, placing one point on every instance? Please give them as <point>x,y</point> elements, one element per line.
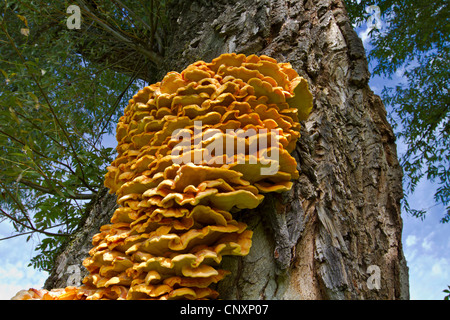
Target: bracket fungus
<point>193,150</point>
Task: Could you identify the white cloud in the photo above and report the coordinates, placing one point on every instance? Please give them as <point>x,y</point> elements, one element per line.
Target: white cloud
<point>9,271</point>
<point>440,268</point>
<point>426,247</point>
<point>411,240</point>
<point>15,255</point>
<point>427,243</point>
<point>364,35</point>
<point>428,277</point>
<point>400,72</point>
<point>373,22</point>
<point>377,90</point>
<point>17,276</point>
<point>9,290</point>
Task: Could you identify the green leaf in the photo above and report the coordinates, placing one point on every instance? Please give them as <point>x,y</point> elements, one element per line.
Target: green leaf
<point>33,96</point>
<point>71,193</point>
<point>26,149</point>
<point>14,115</point>
<point>24,19</point>
<point>4,73</point>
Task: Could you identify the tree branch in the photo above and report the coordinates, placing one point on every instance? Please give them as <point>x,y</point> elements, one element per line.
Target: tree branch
<point>45,157</point>
<point>153,56</point>
<point>33,229</point>
<point>19,204</point>
<point>75,196</point>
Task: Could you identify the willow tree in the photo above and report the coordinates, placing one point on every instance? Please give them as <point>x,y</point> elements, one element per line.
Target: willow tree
<point>337,233</point>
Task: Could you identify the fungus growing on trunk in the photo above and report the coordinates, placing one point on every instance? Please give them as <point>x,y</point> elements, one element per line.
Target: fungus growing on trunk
<point>193,150</point>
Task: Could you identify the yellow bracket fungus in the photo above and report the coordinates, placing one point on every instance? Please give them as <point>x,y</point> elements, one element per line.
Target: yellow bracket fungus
<point>192,150</point>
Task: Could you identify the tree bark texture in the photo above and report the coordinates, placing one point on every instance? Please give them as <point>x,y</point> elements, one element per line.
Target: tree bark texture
<point>338,231</point>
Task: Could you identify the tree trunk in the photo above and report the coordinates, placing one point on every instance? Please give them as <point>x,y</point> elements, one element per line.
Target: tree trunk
<point>337,233</point>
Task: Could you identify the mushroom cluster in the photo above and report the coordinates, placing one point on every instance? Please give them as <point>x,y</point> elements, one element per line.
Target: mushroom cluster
<point>193,150</point>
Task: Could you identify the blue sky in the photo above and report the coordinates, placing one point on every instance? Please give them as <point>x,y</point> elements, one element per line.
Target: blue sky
<point>426,243</point>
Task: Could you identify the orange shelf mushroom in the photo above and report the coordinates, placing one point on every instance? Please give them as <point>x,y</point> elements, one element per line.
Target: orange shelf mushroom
<point>193,150</point>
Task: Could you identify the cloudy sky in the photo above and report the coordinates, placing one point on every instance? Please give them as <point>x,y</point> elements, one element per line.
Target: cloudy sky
<point>15,255</point>
<point>426,243</point>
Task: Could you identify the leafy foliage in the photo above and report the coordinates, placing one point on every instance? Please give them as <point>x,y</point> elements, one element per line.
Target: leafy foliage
<point>55,109</point>
<point>447,291</point>
<point>415,43</point>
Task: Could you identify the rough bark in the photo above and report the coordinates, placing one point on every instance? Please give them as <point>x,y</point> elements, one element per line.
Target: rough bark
<point>321,239</point>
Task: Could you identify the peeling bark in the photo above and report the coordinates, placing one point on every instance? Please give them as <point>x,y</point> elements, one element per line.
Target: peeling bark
<point>319,240</point>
